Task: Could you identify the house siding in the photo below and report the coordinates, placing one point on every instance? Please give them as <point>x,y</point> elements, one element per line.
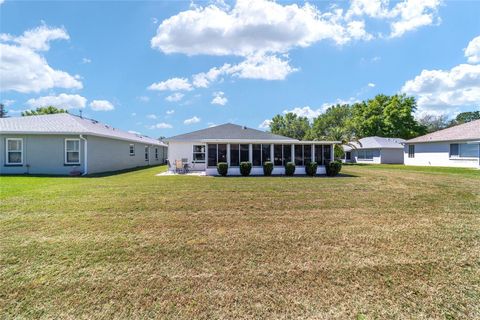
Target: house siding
<point>437,154</point>
<point>376,157</point>
<point>181,150</point>
<point>391,156</point>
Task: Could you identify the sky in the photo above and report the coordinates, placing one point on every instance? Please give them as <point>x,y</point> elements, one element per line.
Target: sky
<point>163,68</point>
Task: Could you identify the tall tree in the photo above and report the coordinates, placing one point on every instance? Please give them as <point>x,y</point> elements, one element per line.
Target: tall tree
<point>433,122</point>
<point>333,124</point>
<point>465,117</point>
<point>3,111</point>
<point>290,125</point>
<point>43,110</point>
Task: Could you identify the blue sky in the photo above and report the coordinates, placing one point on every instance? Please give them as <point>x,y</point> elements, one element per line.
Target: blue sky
<point>166,67</point>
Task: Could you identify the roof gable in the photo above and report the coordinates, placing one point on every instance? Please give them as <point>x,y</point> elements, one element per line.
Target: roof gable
<point>465,131</point>
<point>377,143</point>
<point>228,131</point>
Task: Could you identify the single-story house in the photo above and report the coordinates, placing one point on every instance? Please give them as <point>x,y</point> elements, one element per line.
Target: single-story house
<point>65,144</point>
<point>233,144</point>
<point>374,150</point>
<point>457,146</point>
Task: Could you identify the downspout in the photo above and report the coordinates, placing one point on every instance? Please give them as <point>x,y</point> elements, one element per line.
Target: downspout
<point>85,161</point>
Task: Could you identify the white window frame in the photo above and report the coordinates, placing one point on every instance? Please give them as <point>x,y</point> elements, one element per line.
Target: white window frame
<point>147,153</point>
<point>8,151</point>
<point>79,151</point>
<point>156,153</point>
<point>131,148</point>
<point>459,156</point>
<point>204,153</point>
<point>364,151</point>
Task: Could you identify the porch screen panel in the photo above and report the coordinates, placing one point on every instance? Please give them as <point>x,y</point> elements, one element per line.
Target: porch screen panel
<point>327,153</point>
<point>277,155</point>
<point>234,155</point>
<point>212,155</point>
<point>307,154</point>
<point>244,152</point>
<point>319,154</point>
<point>266,156</point>
<point>257,154</point>
<point>222,153</point>
<point>287,153</point>
<point>299,155</point>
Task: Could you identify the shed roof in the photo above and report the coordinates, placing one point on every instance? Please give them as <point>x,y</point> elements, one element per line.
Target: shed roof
<point>466,131</point>
<point>65,123</point>
<point>376,143</point>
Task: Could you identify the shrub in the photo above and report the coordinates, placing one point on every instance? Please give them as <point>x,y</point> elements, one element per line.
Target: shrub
<point>245,168</point>
<point>267,168</point>
<point>333,168</point>
<point>311,168</point>
<point>290,168</point>
<point>222,168</point>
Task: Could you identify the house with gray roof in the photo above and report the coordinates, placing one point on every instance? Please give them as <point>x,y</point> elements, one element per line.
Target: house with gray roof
<point>377,150</point>
<point>202,150</point>
<point>457,146</point>
<point>65,144</point>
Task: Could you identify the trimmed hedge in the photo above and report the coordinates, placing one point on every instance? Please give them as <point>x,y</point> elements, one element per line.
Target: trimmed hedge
<point>333,168</point>
<point>290,168</point>
<point>311,169</point>
<point>245,168</point>
<point>267,168</point>
<point>222,168</point>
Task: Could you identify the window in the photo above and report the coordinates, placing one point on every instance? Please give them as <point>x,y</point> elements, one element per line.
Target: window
<point>266,156</point>
<point>278,155</point>
<point>199,154</point>
<point>216,153</point>
<point>299,155</point>
<point>234,155</point>
<point>327,153</point>
<point>222,153</point>
<point>244,152</point>
<point>464,150</point>
<point>132,149</point>
<point>348,155</point>
<point>72,151</point>
<point>365,154</point>
<point>146,153</point>
<point>14,151</point>
<point>411,151</point>
<point>287,153</point>
<point>307,154</point>
<point>319,154</point>
<point>156,153</point>
<point>257,155</point>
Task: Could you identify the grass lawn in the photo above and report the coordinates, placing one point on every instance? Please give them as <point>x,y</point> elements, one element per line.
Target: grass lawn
<point>382,242</point>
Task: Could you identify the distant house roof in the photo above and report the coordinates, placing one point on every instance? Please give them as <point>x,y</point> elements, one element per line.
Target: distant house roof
<point>229,131</point>
<point>466,131</point>
<point>376,143</point>
<point>65,123</point>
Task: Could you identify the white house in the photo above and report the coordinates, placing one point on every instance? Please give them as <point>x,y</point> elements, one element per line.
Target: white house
<point>457,146</point>
<point>64,144</point>
<point>233,144</point>
<point>374,150</point>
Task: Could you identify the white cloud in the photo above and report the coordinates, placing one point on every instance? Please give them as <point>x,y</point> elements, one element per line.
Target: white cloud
<point>219,98</point>
<point>143,98</point>
<point>8,103</point>
<point>151,116</point>
<point>133,114</point>
<point>266,67</point>
<point>63,100</point>
<point>265,124</point>
<point>472,51</point>
<point>177,96</point>
<point>101,105</point>
<point>170,111</point>
<point>305,112</point>
<point>173,84</point>
<point>371,85</point>
<point>24,70</point>
<point>444,89</point>
<point>192,120</point>
<point>86,60</point>
<point>161,125</point>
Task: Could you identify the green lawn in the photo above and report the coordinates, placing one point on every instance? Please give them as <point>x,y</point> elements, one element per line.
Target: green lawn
<point>381,242</point>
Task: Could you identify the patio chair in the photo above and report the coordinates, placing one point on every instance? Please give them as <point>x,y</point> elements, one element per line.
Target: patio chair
<point>171,168</point>
<point>179,166</point>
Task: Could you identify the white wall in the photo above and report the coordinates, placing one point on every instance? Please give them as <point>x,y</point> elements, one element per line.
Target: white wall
<point>180,150</point>
<point>391,156</point>
<point>437,154</point>
<point>376,157</point>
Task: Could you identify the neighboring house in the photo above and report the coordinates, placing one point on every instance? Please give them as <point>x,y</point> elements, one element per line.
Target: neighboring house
<point>233,144</point>
<point>64,144</point>
<point>374,150</point>
<point>458,146</point>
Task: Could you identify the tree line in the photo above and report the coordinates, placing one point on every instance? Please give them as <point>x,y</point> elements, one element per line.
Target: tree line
<point>384,116</point>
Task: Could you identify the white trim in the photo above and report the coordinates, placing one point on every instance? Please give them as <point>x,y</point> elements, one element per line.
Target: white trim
<point>79,151</point>
<point>204,152</point>
<point>130,153</point>
<point>7,151</point>
<point>85,165</point>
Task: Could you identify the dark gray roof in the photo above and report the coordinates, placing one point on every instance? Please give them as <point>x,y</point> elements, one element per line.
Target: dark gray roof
<point>466,131</point>
<point>65,123</point>
<point>228,131</point>
<point>376,143</point>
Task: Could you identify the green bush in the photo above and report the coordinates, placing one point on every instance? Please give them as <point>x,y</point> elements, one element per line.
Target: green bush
<point>333,168</point>
<point>222,168</point>
<point>311,168</point>
<point>290,168</point>
<point>267,168</point>
<point>245,168</point>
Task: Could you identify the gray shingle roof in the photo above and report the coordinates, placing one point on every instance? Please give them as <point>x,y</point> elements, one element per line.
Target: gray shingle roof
<point>377,143</point>
<point>64,123</point>
<point>466,131</point>
<point>228,131</point>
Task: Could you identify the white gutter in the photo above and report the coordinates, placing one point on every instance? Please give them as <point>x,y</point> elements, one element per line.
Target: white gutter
<point>85,164</point>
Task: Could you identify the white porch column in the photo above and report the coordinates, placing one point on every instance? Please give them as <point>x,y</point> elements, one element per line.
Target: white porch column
<point>250,153</point>
<point>314,159</point>
<point>228,154</point>
<point>271,152</point>
<point>332,153</point>
<point>293,153</point>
